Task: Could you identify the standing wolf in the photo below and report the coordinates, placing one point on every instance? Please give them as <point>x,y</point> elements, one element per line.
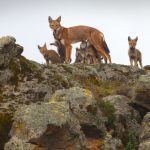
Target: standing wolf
<point>75,34</point>
<point>134,54</point>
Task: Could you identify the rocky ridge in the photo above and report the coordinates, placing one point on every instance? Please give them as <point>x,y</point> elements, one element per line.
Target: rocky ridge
<point>71,107</point>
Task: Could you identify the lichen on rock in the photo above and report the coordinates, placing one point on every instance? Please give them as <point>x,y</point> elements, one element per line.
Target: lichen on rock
<point>6,40</point>
<point>71,106</point>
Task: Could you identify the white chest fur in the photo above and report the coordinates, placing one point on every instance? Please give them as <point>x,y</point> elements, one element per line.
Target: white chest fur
<point>62,42</point>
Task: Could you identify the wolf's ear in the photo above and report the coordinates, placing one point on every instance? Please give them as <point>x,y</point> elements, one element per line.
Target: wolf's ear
<point>136,38</point>
<point>59,19</point>
<point>38,46</point>
<point>44,44</point>
<point>129,38</point>
<point>50,19</point>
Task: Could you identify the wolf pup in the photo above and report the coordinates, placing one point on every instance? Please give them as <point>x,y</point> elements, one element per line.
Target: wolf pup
<point>80,56</point>
<point>87,54</point>
<point>60,49</point>
<point>92,55</point>
<point>75,34</point>
<point>49,55</point>
<point>134,54</point>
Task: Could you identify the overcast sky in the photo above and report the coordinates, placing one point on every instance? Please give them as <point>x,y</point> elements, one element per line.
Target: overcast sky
<point>27,21</point>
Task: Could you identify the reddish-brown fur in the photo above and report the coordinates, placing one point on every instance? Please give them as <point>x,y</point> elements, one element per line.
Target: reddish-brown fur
<point>75,34</point>
<point>49,55</point>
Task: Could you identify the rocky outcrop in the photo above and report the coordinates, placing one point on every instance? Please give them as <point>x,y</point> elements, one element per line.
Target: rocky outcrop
<point>144,137</point>
<point>69,106</point>
<point>141,92</point>
<point>70,120</point>
<point>125,120</point>
<point>8,50</point>
<point>26,82</point>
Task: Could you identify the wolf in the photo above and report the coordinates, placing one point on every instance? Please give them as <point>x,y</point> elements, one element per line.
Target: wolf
<point>60,49</point>
<point>134,54</point>
<point>49,55</point>
<point>87,54</point>
<point>92,55</point>
<point>75,34</point>
<point>80,56</point>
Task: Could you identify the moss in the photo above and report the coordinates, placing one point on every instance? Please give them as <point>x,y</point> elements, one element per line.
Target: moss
<point>5,125</point>
<point>59,81</point>
<point>67,68</point>
<point>15,69</point>
<point>132,143</point>
<point>27,65</point>
<point>21,67</point>
<point>109,111</point>
<point>98,88</point>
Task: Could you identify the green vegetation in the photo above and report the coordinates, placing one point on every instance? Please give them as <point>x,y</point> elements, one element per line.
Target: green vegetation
<point>132,142</point>
<point>22,67</point>
<point>108,109</point>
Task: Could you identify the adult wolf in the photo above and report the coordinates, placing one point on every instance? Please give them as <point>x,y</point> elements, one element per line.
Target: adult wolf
<point>75,34</point>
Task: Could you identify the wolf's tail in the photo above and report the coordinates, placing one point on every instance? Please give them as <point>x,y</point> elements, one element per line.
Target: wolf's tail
<point>106,47</point>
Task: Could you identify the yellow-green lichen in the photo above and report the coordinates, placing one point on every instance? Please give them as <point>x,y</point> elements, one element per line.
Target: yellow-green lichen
<point>6,40</point>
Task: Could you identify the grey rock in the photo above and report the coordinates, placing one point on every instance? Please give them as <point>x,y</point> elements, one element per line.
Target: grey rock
<point>32,121</point>
<point>83,105</point>
<point>144,138</point>
<point>126,118</point>
<point>31,89</point>
<point>8,50</point>
<point>111,143</point>
<point>141,94</point>
<point>57,124</point>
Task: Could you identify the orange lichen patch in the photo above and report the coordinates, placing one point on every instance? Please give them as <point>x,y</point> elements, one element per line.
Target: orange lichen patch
<point>94,144</point>
<point>36,147</point>
<point>70,148</point>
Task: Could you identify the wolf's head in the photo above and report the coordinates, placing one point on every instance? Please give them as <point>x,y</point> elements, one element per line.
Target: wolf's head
<point>132,42</point>
<point>54,24</point>
<point>42,49</point>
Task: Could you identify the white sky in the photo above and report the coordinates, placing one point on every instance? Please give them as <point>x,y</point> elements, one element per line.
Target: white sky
<point>27,21</point>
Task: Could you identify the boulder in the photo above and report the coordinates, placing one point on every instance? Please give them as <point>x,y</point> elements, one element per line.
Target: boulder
<point>124,120</point>
<point>111,143</point>
<point>144,137</point>
<point>8,50</point>
<point>65,122</point>
<point>141,94</point>
<point>45,126</point>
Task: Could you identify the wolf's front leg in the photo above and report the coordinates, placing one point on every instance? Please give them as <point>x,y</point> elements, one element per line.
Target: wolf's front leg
<point>131,62</point>
<point>47,62</point>
<point>136,63</point>
<point>136,59</point>
<point>68,54</point>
